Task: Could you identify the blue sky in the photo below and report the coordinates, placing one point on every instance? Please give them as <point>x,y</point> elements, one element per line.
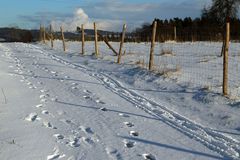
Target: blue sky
<point>109,13</point>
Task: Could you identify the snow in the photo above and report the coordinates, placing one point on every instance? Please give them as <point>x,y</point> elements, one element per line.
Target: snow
<point>67,106</point>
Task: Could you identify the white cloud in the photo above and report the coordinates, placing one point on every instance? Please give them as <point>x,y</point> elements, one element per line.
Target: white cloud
<point>111,14</point>
<point>71,23</point>
<point>80,17</point>
<point>122,7</point>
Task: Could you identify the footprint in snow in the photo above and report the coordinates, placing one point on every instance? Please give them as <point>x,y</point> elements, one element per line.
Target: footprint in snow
<point>87,91</point>
<point>148,156</point>
<point>128,124</point>
<point>129,144</point>
<point>58,136</point>
<point>74,142</point>
<point>113,153</point>
<point>87,97</point>
<point>87,130</point>
<point>29,83</point>
<point>43,100</point>
<point>74,84</point>
<point>74,87</point>
<point>68,122</point>
<point>111,150</point>
<point>103,109</point>
<point>123,115</point>
<point>29,71</point>
<point>56,154</point>
<point>134,133</point>
<point>41,83</point>
<point>48,125</point>
<point>47,70</point>
<point>53,72</point>
<point>55,99</point>
<point>45,112</point>
<point>43,96</point>
<point>87,140</point>
<point>99,101</point>
<point>34,76</point>
<point>32,117</point>
<point>32,87</point>
<point>44,91</point>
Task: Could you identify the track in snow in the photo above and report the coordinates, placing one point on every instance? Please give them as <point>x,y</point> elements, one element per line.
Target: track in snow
<point>218,142</point>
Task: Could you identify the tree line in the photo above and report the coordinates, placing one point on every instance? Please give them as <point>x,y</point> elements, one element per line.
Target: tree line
<point>209,27</point>
<point>187,29</point>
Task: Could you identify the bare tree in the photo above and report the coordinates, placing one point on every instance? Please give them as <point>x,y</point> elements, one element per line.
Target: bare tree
<point>221,11</point>
<point>224,9</point>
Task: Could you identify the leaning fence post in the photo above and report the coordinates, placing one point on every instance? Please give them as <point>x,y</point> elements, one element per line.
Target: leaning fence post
<point>225,60</point>
<point>83,39</point>
<point>96,38</point>
<point>51,35</point>
<point>63,39</point>
<point>108,44</point>
<point>152,45</point>
<point>121,44</point>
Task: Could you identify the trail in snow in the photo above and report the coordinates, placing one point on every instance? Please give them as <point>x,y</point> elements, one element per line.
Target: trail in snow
<point>74,140</point>
<point>218,142</point>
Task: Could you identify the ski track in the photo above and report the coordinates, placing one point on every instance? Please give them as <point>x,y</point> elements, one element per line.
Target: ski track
<point>224,145</point>
<point>218,142</point>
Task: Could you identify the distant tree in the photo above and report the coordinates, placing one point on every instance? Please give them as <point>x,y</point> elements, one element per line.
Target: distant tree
<point>204,28</point>
<point>220,12</point>
<point>78,29</point>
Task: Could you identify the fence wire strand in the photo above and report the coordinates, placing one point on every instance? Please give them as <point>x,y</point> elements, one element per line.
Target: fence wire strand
<point>196,64</point>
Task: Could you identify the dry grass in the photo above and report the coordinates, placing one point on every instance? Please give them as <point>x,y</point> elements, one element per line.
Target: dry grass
<point>206,88</point>
<point>141,63</point>
<point>167,72</point>
<point>129,53</point>
<point>166,52</point>
<point>204,60</point>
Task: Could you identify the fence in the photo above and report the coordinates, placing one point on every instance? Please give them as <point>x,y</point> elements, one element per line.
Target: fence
<point>194,64</point>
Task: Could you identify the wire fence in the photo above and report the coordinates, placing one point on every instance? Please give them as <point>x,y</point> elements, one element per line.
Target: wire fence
<point>194,64</point>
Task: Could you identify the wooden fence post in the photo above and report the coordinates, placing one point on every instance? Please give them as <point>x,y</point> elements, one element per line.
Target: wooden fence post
<point>44,34</point>
<point>225,60</point>
<point>175,33</point>
<point>121,44</point>
<point>51,35</point>
<point>96,38</point>
<point>40,33</point>
<point>151,60</point>
<point>83,39</point>
<point>63,39</point>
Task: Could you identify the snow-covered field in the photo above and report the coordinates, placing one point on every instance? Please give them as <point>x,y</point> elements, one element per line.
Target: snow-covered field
<point>196,64</point>
<point>57,105</point>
